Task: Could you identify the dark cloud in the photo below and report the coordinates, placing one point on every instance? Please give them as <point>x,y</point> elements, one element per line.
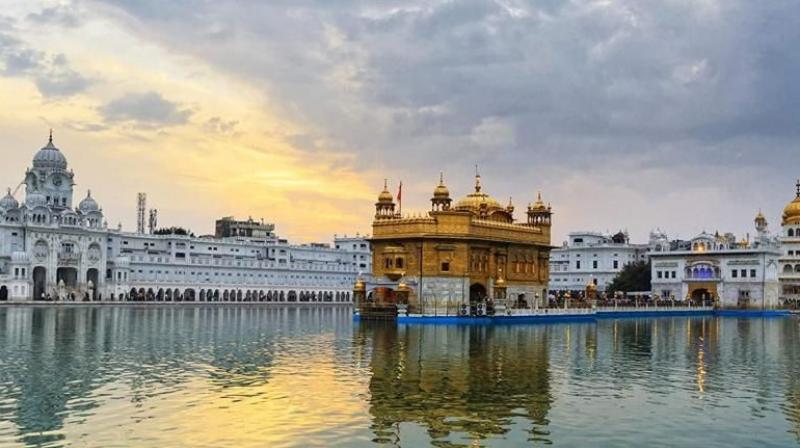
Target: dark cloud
<point>51,73</point>
<point>145,110</point>
<point>654,99</point>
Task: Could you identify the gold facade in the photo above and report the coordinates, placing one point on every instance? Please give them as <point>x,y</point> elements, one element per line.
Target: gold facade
<point>473,243</point>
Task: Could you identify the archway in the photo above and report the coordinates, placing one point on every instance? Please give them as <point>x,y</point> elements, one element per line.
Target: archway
<point>477,293</point>
<point>701,296</point>
<point>69,276</point>
<point>3,293</point>
<point>292,296</point>
<point>93,275</point>
<point>39,282</point>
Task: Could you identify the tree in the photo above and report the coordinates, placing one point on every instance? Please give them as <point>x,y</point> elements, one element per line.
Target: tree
<point>633,277</point>
<point>173,231</point>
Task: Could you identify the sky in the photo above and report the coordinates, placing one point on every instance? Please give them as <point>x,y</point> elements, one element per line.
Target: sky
<point>682,115</point>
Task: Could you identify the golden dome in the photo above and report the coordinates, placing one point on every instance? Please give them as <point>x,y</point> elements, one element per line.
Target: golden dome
<point>476,200</point>
<point>791,214</point>
<point>441,191</point>
<point>385,196</point>
<point>359,286</point>
<point>539,204</point>
<point>403,287</point>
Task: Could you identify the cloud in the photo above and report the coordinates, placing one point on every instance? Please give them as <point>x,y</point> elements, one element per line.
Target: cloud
<point>219,126</point>
<point>145,110</point>
<point>63,15</point>
<point>52,74</point>
<point>646,98</point>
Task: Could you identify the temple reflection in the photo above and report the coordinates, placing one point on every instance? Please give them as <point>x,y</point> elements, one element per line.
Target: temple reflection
<point>459,382</point>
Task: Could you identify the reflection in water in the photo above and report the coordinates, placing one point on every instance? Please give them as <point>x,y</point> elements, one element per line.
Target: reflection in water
<point>473,380</point>
<point>269,376</point>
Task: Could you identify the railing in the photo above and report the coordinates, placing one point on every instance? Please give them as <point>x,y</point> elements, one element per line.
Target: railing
<point>645,309</point>
<point>548,311</point>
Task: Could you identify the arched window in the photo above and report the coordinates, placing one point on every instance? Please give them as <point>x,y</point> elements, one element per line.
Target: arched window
<point>399,262</point>
<point>787,268</point>
<point>790,232</point>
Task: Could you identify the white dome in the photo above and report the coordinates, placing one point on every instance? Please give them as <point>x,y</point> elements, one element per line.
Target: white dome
<point>33,200</point>
<point>88,204</point>
<point>50,157</point>
<point>8,202</point>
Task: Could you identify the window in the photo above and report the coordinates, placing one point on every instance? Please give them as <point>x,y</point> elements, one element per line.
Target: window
<point>399,263</point>
<point>734,273</point>
<point>594,264</point>
<point>445,266</point>
<point>673,274</point>
<point>616,264</point>
<point>752,273</point>
<point>744,273</point>
<point>659,274</point>
<point>578,264</point>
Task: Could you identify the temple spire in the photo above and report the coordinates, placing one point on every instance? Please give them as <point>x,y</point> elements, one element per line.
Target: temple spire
<point>50,140</point>
<point>798,187</point>
<point>477,179</point>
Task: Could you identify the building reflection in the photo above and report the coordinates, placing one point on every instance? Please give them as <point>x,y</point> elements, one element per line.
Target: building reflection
<point>55,360</point>
<point>464,382</point>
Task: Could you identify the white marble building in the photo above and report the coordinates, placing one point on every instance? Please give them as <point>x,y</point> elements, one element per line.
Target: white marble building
<point>50,250</point>
<point>790,250</point>
<point>592,257</point>
<point>741,274</point>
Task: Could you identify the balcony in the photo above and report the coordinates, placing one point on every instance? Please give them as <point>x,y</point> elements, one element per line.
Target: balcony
<point>69,258</point>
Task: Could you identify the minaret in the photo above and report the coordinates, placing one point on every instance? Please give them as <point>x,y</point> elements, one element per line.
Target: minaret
<point>384,208</point>
<point>441,196</point>
<point>540,215</point>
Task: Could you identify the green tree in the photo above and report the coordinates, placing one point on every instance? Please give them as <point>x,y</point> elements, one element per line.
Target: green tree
<point>173,231</point>
<point>633,277</point>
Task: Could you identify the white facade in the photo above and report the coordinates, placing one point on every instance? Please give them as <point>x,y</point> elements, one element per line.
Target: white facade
<point>49,250</point>
<point>719,269</point>
<point>591,257</point>
<point>790,250</point>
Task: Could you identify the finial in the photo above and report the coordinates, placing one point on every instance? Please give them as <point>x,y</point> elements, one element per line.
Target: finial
<point>477,180</point>
<point>441,178</point>
<point>798,187</point>
<point>539,195</point>
<point>50,140</point>
<point>385,183</point>
<point>88,193</point>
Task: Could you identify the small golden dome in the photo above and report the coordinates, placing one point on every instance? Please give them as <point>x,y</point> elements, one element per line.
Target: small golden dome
<point>360,286</point>
<point>539,204</point>
<point>441,191</point>
<point>402,287</point>
<point>500,283</point>
<point>791,214</point>
<point>510,206</point>
<point>385,196</point>
<point>476,200</point>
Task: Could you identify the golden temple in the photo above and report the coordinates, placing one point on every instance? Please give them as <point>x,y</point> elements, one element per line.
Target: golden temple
<point>461,258</point>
